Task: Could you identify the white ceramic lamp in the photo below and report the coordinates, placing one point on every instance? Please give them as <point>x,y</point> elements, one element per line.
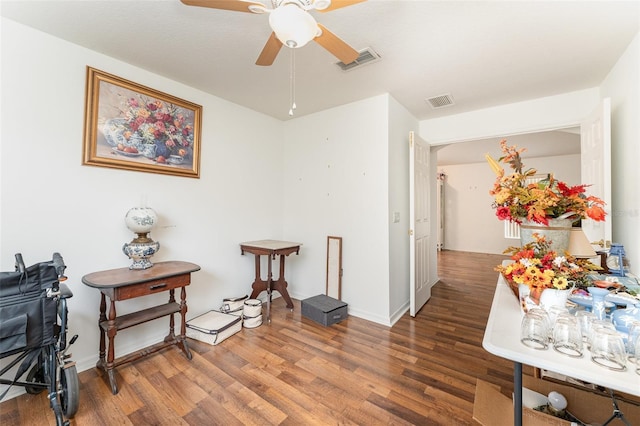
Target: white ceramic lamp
<point>141,220</point>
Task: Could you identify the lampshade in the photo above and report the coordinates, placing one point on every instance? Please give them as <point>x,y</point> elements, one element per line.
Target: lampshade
<point>579,245</point>
<point>293,26</point>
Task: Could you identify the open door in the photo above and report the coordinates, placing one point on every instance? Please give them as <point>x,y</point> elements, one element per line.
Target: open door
<point>595,154</point>
<point>419,233</point>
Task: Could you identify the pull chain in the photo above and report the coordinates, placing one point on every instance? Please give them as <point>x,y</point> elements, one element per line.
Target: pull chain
<point>292,83</point>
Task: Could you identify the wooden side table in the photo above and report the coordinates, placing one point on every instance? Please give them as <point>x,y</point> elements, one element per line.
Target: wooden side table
<point>270,248</point>
<point>122,284</point>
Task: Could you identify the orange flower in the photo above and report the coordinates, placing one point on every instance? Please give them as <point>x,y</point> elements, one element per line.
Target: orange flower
<point>516,199</point>
<point>538,267</point>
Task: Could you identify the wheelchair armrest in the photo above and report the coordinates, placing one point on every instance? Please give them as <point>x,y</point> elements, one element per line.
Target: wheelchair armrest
<point>65,293</point>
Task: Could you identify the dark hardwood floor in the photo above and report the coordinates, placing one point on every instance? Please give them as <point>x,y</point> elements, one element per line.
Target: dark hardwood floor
<point>421,371</point>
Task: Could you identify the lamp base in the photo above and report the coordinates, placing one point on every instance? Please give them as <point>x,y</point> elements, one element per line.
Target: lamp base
<point>140,253</point>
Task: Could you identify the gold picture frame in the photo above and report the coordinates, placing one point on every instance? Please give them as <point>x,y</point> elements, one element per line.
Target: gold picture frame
<point>132,127</point>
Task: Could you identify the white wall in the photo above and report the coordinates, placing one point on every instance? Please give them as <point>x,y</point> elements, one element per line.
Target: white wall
<point>568,110</point>
<point>470,223</point>
<point>622,85</point>
<point>549,113</point>
<point>50,202</point>
<point>336,183</point>
<point>400,124</point>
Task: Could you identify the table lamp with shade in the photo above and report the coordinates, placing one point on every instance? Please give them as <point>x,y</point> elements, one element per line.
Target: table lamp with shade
<point>579,246</point>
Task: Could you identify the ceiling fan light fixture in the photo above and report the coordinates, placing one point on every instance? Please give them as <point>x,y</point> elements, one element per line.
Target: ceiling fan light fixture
<point>321,4</point>
<point>258,8</point>
<point>293,26</point>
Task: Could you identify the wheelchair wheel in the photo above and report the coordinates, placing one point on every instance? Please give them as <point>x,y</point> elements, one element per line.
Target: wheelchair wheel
<point>70,391</point>
<point>36,375</point>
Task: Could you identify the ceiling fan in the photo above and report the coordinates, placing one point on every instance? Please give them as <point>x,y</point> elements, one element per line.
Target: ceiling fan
<point>292,25</point>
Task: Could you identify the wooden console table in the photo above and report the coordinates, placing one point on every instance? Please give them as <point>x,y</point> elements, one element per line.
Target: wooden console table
<point>270,248</point>
<point>123,284</point>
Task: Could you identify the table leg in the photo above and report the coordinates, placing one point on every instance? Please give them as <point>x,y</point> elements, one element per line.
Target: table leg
<point>101,318</point>
<point>269,289</point>
<point>281,284</point>
<point>111,334</point>
<point>182,341</point>
<point>172,334</point>
<point>258,285</point>
<point>517,394</point>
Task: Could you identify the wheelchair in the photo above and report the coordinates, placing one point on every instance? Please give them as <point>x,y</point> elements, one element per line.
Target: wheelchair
<point>33,313</point>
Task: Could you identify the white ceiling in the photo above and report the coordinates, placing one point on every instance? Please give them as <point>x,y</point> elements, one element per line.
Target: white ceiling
<point>483,53</point>
<point>541,144</point>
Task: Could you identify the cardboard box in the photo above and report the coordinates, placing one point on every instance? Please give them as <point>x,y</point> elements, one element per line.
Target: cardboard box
<point>492,408</point>
<point>324,309</point>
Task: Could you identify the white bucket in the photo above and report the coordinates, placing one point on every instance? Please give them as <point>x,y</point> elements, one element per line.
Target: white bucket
<point>252,322</point>
<point>252,308</point>
<point>252,313</point>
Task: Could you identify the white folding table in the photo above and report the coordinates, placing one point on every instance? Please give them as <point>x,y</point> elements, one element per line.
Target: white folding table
<point>502,338</point>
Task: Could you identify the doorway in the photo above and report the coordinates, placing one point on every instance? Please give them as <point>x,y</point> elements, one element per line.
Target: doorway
<point>466,218</point>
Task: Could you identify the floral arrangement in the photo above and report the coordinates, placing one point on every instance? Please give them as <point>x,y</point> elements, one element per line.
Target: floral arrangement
<point>539,268</point>
<point>515,200</point>
<point>163,124</point>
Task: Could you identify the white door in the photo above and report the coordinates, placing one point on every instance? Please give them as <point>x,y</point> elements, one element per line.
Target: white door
<point>595,150</point>
<point>419,238</point>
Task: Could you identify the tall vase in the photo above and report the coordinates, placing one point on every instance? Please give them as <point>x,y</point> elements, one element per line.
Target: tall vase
<point>557,233</point>
<point>598,305</point>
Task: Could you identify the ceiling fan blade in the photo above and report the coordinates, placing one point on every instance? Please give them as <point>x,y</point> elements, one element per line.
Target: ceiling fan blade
<point>337,4</point>
<point>336,46</point>
<point>270,51</point>
<point>235,5</point>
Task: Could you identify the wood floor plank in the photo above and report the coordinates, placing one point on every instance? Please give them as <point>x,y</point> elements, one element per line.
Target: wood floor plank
<point>113,409</point>
<point>210,412</point>
<point>373,415</point>
<point>9,412</point>
<point>156,409</point>
<point>35,409</point>
<point>293,371</point>
<point>289,399</point>
<point>176,399</point>
<point>253,401</point>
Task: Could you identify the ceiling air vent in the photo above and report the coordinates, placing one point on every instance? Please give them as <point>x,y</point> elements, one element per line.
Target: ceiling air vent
<point>367,56</point>
<point>440,101</point>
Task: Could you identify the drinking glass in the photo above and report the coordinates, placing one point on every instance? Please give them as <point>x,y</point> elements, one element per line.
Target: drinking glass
<point>567,338</point>
<point>637,351</point>
<point>534,331</point>
<point>555,311</point>
<point>585,319</point>
<point>597,324</point>
<point>632,340</point>
<point>607,349</point>
<point>545,316</point>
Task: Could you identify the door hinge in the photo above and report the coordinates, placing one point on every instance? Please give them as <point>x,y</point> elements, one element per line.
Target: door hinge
<point>410,232</point>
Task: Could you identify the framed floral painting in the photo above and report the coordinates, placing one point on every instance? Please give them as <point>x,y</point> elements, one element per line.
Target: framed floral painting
<point>132,127</point>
